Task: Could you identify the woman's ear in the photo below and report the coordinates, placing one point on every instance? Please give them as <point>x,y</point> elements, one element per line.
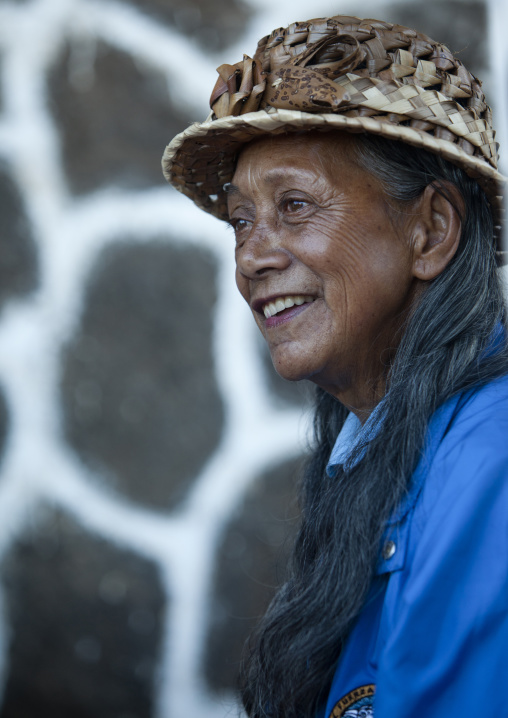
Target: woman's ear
<point>437,228</point>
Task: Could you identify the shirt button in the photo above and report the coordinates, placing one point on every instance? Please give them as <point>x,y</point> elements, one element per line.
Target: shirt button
<point>389,550</point>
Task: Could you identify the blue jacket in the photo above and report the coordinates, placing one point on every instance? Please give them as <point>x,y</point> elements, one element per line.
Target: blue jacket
<point>432,640</point>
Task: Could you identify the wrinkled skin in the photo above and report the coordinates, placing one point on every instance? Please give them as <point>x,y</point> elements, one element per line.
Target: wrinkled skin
<point>309,221</point>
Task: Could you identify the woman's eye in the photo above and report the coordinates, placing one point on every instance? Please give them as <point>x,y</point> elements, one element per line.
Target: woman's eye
<point>294,205</point>
<point>238,224</point>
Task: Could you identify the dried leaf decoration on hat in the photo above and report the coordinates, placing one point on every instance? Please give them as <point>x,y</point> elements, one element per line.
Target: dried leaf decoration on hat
<point>238,89</point>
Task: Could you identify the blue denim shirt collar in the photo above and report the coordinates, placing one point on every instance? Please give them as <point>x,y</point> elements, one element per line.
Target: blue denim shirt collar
<point>353,435</point>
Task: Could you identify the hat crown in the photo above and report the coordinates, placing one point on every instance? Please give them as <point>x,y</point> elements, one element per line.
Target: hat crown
<point>361,68</point>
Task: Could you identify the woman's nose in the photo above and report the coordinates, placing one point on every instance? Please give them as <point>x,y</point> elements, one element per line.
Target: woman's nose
<point>261,253</point>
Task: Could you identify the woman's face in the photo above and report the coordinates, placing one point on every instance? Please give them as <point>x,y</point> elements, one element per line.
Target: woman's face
<point>325,269</point>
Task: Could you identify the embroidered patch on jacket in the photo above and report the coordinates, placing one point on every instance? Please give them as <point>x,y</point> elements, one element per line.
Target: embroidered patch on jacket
<point>356,704</point>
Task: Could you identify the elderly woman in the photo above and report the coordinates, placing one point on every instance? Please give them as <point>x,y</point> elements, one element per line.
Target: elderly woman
<point>356,163</point>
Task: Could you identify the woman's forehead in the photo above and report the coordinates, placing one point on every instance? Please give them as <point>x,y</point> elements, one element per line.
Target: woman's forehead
<point>313,142</point>
<point>310,153</point>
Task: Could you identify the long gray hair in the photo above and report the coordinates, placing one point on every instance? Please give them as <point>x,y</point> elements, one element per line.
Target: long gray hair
<point>444,349</point>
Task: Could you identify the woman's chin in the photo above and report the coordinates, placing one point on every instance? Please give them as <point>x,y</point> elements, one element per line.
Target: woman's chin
<point>292,369</point>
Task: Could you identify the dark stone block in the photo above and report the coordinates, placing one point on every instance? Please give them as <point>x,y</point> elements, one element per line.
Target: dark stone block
<point>211,25</point>
<point>462,26</point>
<point>85,619</point>
<point>138,387</point>
<point>18,259</point>
<point>4,425</point>
<point>115,118</point>
<point>251,565</point>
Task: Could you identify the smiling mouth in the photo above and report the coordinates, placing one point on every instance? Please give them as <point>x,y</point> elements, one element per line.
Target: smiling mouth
<point>271,309</point>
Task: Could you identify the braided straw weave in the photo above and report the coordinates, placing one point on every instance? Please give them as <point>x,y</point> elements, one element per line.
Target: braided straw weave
<point>339,73</point>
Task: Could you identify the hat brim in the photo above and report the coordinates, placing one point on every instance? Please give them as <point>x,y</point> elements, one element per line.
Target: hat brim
<point>202,159</point>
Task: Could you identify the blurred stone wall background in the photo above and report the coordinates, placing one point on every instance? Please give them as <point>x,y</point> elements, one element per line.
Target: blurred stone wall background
<point>148,451</point>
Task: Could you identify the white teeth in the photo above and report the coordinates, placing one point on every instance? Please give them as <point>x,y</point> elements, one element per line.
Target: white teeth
<point>273,308</point>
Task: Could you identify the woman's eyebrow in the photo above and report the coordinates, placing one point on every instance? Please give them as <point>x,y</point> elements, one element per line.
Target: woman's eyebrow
<point>272,176</point>
<point>275,176</point>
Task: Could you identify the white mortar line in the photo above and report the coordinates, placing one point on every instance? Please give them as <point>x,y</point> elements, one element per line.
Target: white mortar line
<point>498,21</point>
<point>153,42</point>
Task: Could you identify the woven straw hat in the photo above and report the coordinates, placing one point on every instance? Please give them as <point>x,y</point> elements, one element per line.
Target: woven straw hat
<point>339,73</point>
